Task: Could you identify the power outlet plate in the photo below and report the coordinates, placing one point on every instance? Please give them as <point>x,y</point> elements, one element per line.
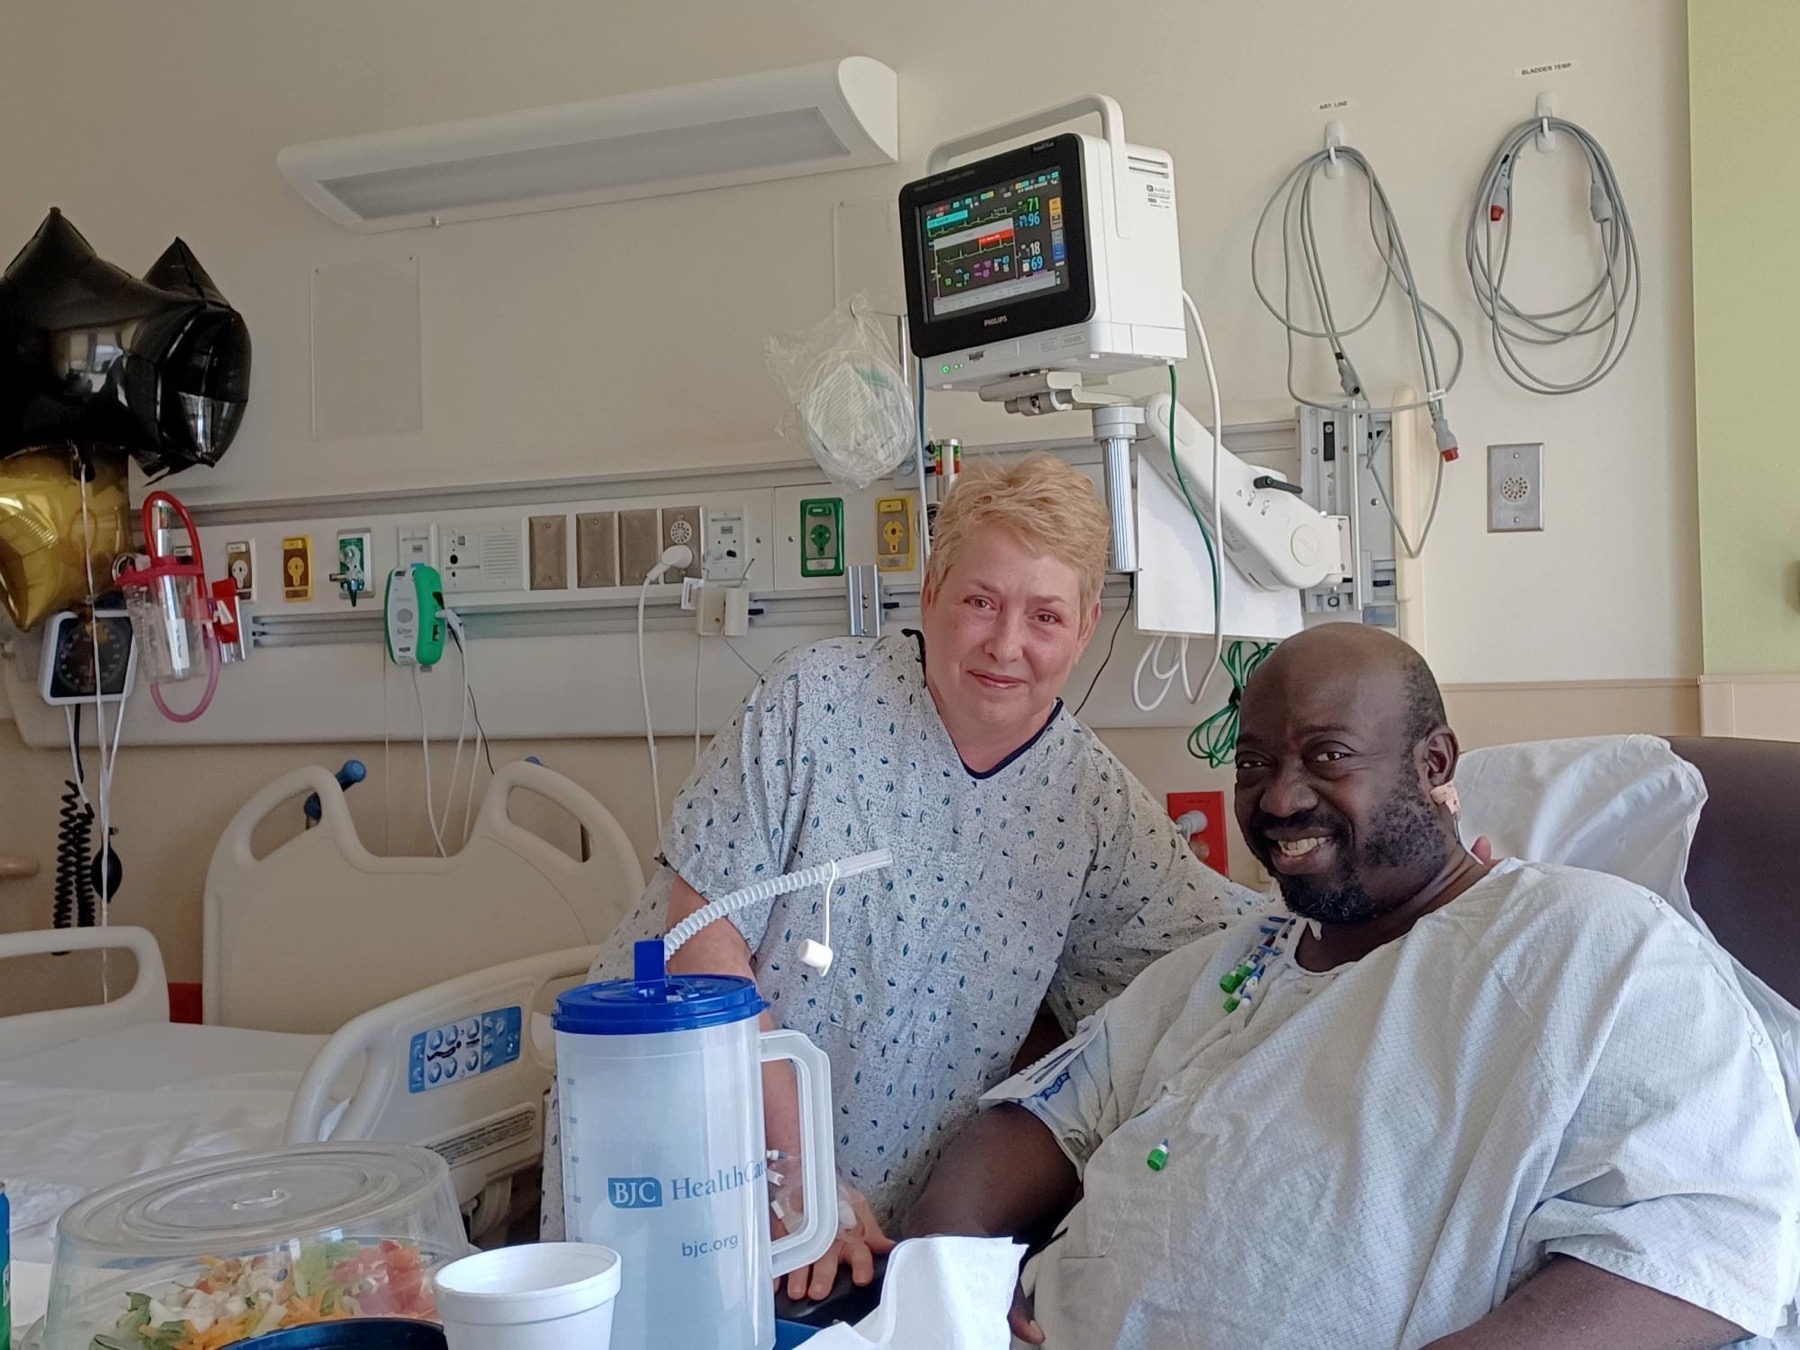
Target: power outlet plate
<point>727,557</point>
<point>640,545</point>
<point>1516,487</point>
<point>1209,841</point>
<point>549,563</point>
<point>414,546</point>
<point>683,525</point>
<point>597,549</point>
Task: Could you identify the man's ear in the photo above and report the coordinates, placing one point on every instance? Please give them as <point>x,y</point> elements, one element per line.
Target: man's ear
<point>1438,755</point>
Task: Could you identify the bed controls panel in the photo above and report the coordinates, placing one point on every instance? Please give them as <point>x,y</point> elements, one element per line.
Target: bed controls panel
<point>464,1049</point>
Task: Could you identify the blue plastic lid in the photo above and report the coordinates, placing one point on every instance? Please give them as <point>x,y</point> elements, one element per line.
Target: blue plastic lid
<point>656,1001</point>
<point>374,1334</point>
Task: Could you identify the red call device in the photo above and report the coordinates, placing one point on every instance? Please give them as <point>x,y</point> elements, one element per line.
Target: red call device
<point>1209,842</point>
<point>225,611</point>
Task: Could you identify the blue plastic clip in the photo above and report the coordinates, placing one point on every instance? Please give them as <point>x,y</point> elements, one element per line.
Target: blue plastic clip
<point>348,777</point>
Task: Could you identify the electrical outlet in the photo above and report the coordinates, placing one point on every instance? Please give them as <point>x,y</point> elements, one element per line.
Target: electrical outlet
<point>414,546</point>
<point>1204,817</point>
<point>640,544</point>
<point>597,549</point>
<point>727,555</point>
<point>240,566</point>
<point>894,534</point>
<point>682,525</point>
<point>549,564</point>
<point>1516,487</point>
<point>822,537</point>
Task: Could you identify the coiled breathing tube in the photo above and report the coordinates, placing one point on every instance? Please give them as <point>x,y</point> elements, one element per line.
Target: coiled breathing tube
<point>825,874</point>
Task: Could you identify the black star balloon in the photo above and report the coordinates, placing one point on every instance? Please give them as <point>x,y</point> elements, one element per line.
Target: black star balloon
<point>186,376</point>
<point>67,318</point>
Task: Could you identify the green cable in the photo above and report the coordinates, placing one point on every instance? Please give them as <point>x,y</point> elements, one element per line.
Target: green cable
<point>1212,557</point>
<point>1215,739</point>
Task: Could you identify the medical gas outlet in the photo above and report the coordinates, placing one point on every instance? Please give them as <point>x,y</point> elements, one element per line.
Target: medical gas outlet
<point>354,549</point>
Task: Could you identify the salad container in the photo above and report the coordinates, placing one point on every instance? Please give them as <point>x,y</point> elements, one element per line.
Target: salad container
<point>213,1253</point>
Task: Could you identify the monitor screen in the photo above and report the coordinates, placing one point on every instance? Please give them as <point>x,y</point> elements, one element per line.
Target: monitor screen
<point>995,243</point>
<point>997,249</point>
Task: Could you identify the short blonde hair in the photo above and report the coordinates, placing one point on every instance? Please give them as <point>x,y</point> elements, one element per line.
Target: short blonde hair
<point>1044,503</point>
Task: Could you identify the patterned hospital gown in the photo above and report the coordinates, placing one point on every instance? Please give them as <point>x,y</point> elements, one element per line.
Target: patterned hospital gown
<point>1054,877</point>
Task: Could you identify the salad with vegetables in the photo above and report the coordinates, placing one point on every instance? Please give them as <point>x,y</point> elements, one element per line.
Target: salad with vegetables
<point>235,1299</point>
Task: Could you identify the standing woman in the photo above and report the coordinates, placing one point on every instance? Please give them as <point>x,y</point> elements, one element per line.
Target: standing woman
<point>1031,870</point>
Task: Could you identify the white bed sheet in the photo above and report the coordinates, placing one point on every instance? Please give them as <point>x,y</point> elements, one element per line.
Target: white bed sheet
<point>92,1112</point>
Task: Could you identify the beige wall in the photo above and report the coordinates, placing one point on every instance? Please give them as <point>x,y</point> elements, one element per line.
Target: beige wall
<point>580,341</point>
<point>172,804</point>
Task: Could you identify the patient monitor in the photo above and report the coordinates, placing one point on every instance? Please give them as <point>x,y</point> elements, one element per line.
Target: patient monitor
<point>1034,274</point>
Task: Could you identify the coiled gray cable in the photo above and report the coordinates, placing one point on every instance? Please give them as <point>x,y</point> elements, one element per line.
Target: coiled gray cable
<point>1609,307</point>
<point>1295,191</point>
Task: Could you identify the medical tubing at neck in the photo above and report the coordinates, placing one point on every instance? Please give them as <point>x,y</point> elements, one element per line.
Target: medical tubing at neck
<point>768,889</point>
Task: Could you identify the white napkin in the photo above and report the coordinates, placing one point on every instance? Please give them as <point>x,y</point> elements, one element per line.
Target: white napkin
<point>940,1293</point>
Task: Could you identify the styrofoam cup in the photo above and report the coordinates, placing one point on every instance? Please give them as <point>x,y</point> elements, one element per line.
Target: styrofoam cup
<point>546,1296</point>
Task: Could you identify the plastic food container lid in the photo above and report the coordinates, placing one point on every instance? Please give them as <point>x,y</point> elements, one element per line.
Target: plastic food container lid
<point>538,1283</point>
<point>221,1206</point>
<point>360,1225</point>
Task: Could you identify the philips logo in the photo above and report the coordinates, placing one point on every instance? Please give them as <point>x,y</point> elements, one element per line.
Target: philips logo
<point>634,1192</point>
<point>995,322</point>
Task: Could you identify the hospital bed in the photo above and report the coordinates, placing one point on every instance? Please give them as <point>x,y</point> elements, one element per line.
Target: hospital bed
<point>346,996</point>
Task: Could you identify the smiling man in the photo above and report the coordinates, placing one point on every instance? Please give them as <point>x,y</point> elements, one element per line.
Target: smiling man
<point>1434,1103</point>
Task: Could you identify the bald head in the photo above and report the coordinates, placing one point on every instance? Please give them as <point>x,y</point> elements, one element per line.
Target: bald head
<point>1366,654</point>
<point>1342,740</point>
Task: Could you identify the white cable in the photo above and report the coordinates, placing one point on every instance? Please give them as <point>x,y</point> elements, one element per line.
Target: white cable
<point>462,729</point>
<point>644,689</point>
<point>679,556</point>
<point>425,746</point>
<point>1610,306</point>
<point>457,632</point>
<point>767,889</point>
<point>699,655</point>
<point>1217,432</point>
<point>474,771</point>
<point>107,764</point>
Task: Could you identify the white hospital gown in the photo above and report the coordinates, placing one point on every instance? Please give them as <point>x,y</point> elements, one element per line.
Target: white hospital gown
<point>1553,1063</point>
<point>1053,877</point>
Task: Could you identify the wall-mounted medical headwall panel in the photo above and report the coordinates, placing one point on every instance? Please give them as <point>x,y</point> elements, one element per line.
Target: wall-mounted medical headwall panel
<point>547,580</point>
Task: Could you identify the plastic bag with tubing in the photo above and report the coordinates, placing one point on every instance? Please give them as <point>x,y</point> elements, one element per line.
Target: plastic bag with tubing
<point>848,402</point>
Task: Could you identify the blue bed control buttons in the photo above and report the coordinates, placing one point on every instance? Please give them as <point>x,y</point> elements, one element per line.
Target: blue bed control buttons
<point>467,1048</point>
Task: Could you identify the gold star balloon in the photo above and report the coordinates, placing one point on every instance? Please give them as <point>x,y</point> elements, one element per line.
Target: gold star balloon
<point>48,540</point>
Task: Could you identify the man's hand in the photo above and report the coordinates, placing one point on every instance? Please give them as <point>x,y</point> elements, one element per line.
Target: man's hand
<point>1022,1319</point>
<point>1483,849</point>
<point>859,1246</point>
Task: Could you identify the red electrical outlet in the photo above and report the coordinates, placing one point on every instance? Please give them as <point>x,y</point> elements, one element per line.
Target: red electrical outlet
<point>184,1003</point>
<point>1209,841</point>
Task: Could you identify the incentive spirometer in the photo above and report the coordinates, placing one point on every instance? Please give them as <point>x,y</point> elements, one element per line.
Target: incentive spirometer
<point>1034,275</point>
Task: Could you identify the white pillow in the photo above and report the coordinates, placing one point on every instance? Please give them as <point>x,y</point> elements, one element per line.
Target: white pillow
<point>1627,805</point>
